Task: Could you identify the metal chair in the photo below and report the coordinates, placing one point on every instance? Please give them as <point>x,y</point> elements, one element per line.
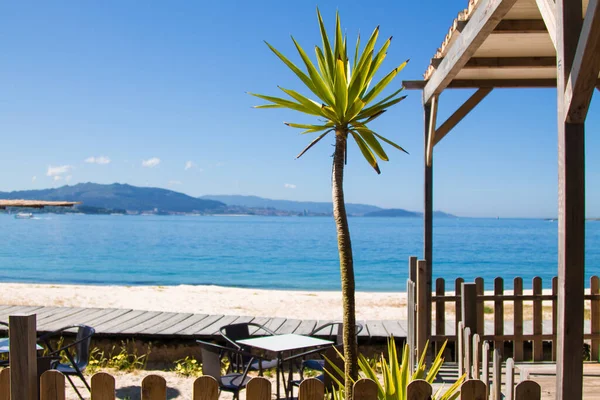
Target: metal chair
<point>234,332</point>
<point>78,360</point>
<point>211,366</point>
<point>4,363</point>
<point>329,331</point>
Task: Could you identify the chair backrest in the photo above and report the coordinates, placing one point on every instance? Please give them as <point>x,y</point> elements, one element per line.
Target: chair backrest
<point>211,362</point>
<point>236,331</point>
<point>336,359</point>
<point>82,349</point>
<point>334,329</point>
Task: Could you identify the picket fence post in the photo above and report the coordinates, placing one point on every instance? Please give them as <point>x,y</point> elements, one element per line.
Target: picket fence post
<point>364,389</point>
<point>528,390</point>
<point>103,386</point>
<point>419,390</point>
<point>473,390</point>
<point>154,387</point>
<point>258,388</point>
<point>485,365</point>
<point>510,379</point>
<point>5,384</point>
<point>52,386</point>
<point>311,389</point>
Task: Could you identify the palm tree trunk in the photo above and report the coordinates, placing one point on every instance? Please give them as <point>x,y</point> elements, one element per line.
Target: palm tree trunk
<point>346,263</point>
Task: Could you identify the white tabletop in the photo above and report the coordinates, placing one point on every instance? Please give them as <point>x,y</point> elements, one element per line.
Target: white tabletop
<point>278,343</point>
<point>5,344</point>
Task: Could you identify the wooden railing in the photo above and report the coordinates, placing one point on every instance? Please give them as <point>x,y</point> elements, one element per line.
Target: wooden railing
<point>154,387</point>
<point>471,304</point>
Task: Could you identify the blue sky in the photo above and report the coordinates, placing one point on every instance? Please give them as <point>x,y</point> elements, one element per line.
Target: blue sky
<point>135,92</point>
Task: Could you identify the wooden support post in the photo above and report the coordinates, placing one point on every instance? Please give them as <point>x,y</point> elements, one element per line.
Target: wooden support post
<point>412,268</point>
<point>428,220</point>
<point>476,355</point>
<point>571,213</point>
<point>467,347</point>
<point>457,304</point>
<point>431,133</point>
<point>547,9</point>
<point>499,314</point>
<point>554,317</point>
<point>480,306</point>
<point>595,318</point>
<point>497,375</point>
<point>469,306</point>
<point>440,309</point>
<point>538,344</point>
<point>510,379</point>
<point>421,308</point>
<point>23,358</point>
<point>518,320</point>
<point>460,346</point>
<point>485,366</point>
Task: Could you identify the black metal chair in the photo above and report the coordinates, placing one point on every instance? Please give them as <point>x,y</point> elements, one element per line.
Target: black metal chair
<point>329,331</point>
<point>77,352</point>
<point>211,366</point>
<point>234,332</point>
<point>5,362</point>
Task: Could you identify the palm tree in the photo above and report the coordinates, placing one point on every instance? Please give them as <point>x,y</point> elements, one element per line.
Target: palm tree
<point>346,105</point>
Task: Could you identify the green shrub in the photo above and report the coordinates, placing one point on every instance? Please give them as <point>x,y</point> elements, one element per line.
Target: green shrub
<point>188,366</point>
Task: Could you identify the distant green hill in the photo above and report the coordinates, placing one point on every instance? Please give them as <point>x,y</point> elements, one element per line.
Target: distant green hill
<point>289,205</point>
<point>122,196</point>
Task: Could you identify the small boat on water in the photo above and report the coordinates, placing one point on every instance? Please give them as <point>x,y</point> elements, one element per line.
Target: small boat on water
<point>23,215</point>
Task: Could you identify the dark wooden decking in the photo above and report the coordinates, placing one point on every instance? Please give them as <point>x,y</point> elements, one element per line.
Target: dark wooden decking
<point>156,324</point>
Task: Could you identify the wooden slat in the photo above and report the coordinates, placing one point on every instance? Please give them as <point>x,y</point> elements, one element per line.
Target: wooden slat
<point>548,10</point>
<point>586,65</point>
<point>460,348</point>
<point>491,83</point>
<point>306,327</point>
<point>173,318</point>
<point>394,328</point>
<point>5,384</point>
<point>311,389</point>
<point>595,319</point>
<point>497,374</point>
<point>483,21</point>
<point>144,327</point>
<point>518,320</point>
<point>207,388</point>
<point>18,310</point>
<point>499,314</point>
<point>467,349</point>
<point>476,356</point>
<point>554,317</point>
<point>275,323</point>
<point>108,315</point>
<point>538,345</point>
<point>103,386</point>
<point>520,26</point>
<point>132,325</point>
<point>510,380</point>
<point>154,387</point>
<point>421,307</point>
<point>485,365</point>
<point>183,325</point>
<point>473,390</point>
<point>118,321</point>
<point>528,390</point>
<point>52,386</point>
<point>206,326</point>
<point>457,307</point>
<point>68,319</point>
<point>440,307</point>
<point>364,389</point>
<point>58,314</point>
<point>510,62</point>
<point>418,390</point>
<point>289,326</point>
<point>376,329</point>
<point>479,288</point>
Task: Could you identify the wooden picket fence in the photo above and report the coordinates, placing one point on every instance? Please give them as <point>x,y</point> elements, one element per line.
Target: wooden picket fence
<point>154,387</point>
<point>470,299</point>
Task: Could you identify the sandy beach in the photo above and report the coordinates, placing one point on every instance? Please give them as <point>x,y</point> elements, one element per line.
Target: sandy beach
<point>207,300</point>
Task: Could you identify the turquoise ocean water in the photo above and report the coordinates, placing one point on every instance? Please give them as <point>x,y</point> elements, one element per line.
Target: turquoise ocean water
<point>273,252</point>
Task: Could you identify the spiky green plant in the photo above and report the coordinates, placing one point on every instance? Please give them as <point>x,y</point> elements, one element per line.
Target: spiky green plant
<point>396,376</point>
<point>347,102</point>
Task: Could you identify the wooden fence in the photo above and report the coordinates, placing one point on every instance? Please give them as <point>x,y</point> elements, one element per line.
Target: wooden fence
<point>154,387</point>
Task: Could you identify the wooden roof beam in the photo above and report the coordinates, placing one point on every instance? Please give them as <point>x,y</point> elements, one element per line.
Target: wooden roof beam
<point>521,26</point>
<point>483,21</point>
<point>510,62</point>
<point>489,83</point>
<point>548,10</point>
<point>586,66</point>
<point>459,114</point>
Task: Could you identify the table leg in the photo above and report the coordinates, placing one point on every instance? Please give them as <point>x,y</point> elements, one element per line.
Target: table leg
<point>279,369</point>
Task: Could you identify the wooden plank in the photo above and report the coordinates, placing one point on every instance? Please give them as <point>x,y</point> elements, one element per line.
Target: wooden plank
<point>457,308</point>
<point>23,358</point>
<point>460,113</point>
<point>5,384</point>
<point>418,389</point>
<point>57,314</point>
<point>479,288</point>
<point>143,327</point>
<point>154,387</point>
<point>473,390</point>
<point>306,327</point>
<point>207,388</point>
<point>483,21</point>
<point>538,345</point>
<point>421,308</point>
<point>510,62</point>
<point>520,26</point>
<point>469,306</point>
<point>412,268</point>
<point>108,315</point>
<point>595,319</point>
<point>364,389</point>
<point>460,348</point>
<point>118,321</point>
<point>4,314</point>
<point>376,329</point>
<point>467,350</point>
<point>499,314</point>
<point>548,10</point>
<point>103,386</point>
<point>490,83</point>
<point>571,214</point>
<point>431,133</point>
<point>311,389</point>
<point>174,319</point>
<point>183,325</point>
<point>586,66</point>
<point>554,317</point>
<point>528,390</point>
<point>497,375</point>
<point>395,329</point>
<point>509,387</point>
<point>485,365</point>
<point>206,325</point>
<point>427,234</point>
<point>289,326</point>
<point>52,324</point>
<point>132,325</point>
<point>518,320</point>
<point>274,323</point>
<point>52,386</point>
<point>476,356</point>
<point>440,306</point>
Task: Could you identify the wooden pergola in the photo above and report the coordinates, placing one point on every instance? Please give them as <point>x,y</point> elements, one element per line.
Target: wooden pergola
<point>527,44</point>
<point>35,203</point>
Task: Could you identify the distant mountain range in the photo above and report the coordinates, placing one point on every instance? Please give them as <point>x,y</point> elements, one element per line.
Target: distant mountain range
<point>101,199</point>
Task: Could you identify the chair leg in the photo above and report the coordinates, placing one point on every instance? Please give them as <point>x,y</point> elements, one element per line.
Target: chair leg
<point>74,387</point>
<point>80,374</point>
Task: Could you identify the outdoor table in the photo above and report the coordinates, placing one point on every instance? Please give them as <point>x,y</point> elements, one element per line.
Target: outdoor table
<point>274,347</point>
<point>5,345</point>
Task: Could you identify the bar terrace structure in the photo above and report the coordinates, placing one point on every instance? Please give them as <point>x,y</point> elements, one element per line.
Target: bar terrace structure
<point>526,44</point>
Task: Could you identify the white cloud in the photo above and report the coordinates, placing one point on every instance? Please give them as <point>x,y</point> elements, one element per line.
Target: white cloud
<point>151,162</point>
<point>175,183</point>
<point>189,165</point>
<point>98,160</point>
<point>57,177</point>
<point>34,178</point>
<point>60,170</point>
<point>289,186</point>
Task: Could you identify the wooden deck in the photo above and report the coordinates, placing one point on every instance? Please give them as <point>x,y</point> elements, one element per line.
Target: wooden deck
<point>156,324</point>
